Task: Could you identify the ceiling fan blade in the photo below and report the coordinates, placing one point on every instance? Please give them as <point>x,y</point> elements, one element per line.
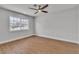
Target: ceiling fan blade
<point>44,6</point>
<point>35,5</point>
<point>36,12</point>
<point>33,8</point>
<point>39,6</point>
<point>45,11</point>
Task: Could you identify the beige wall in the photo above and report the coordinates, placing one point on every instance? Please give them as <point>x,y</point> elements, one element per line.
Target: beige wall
<point>5,34</point>
<point>60,25</point>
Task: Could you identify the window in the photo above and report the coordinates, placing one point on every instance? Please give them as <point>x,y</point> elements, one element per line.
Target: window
<point>18,23</point>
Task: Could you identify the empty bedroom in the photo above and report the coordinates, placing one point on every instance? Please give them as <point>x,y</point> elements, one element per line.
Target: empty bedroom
<point>39,29</point>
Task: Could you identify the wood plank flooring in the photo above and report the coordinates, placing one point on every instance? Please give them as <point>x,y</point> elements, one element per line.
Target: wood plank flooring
<point>39,45</point>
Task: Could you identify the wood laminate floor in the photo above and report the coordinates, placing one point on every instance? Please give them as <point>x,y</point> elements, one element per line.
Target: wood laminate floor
<point>38,45</point>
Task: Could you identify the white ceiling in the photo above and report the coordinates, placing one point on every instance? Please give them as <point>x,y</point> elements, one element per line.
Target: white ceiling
<point>24,8</point>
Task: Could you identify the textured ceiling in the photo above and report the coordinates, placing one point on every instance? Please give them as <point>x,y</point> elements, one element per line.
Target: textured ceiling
<point>24,8</point>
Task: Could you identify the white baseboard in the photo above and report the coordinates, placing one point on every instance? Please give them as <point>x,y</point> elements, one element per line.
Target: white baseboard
<point>18,38</point>
<point>57,38</point>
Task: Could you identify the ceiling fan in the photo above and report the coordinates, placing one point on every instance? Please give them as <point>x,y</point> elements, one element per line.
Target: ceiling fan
<point>39,8</point>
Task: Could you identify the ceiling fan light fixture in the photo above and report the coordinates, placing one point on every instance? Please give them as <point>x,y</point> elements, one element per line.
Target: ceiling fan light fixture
<point>40,8</point>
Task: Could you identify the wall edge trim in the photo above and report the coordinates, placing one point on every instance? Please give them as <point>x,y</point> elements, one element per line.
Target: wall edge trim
<point>18,38</point>
<point>57,38</point>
